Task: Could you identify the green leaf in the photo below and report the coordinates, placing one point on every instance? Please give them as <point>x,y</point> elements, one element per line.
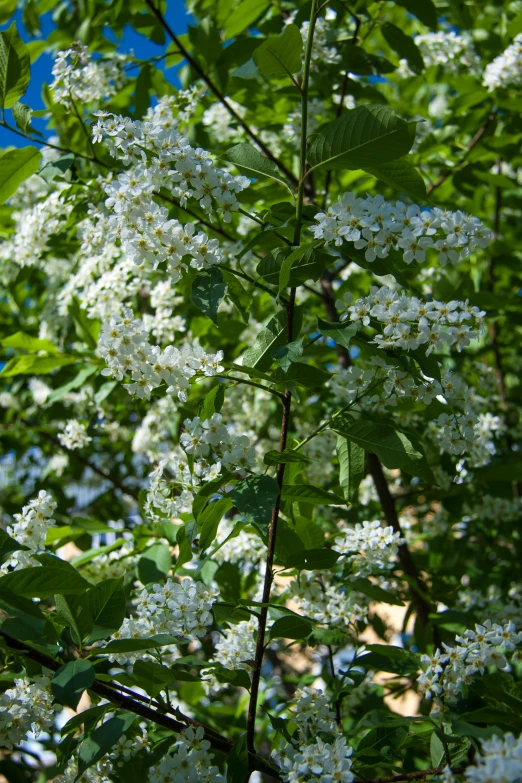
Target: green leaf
<point>403,45</point>
<point>312,559</point>
<point>153,677</point>
<point>340,331</point>
<point>289,353</point>
<point>351,466</point>
<point>43,582</point>
<point>255,496</point>
<point>7,9</point>
<point>424,10</point>
<point>237,762</point>
<point>36,365</point>
<point>275,333</point>
<point>74,609</point>
<point>154,564</point>
<point>291,627</point>
<point>306,266</point>
<point>286,266</point>
<point>15,67</point>
<point>209,519</point>
<point>28,343</point>
<point>394,448</point>
<point>15,167</point>
<point>250,161</point>
<point>306,493</point>
<point>87,329</point>
<point>97,744</point>
<point>208,290</point>
<point>302,374</point>
<point>366,587</point>
<point>22,116</point>
<point>238,295</point>
<point>75,383</point>
<point>357,60</point>
<point>242,15</point>
<point>8,545</point>
<point>213,402</point>
<point>366,136</point>
<point>57,167</point>
<point>280,55</point>
<point>285,457</point>
<point>107,605</point>
<point>70,682</point>
<point>402,176</point>
<point>207,490</point>
<point>135,645</point>
<point>386,658</point>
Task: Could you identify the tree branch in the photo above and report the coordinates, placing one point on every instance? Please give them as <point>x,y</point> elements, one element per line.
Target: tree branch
<point>286,402</point>
<point>83,460</point>
<point>423,607</point>
<point>217,741</point>
<point>217,92</point>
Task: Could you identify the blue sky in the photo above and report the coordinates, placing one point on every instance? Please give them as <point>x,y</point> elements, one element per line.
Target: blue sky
<point>41,69</point>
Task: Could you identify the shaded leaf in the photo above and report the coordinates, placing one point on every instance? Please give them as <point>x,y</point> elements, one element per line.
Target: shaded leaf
<point>366,136</point>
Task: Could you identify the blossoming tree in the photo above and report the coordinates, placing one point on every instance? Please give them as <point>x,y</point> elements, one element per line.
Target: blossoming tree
<point>260,329</point>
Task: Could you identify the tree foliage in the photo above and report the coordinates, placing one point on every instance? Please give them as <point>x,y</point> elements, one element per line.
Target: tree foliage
<point>260,392</point>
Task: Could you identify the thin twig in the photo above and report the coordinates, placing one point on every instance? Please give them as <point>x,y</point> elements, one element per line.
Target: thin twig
<point>217,92</point>
<point>217,741</point>
<point>473,143</point>
<point>83,460</point>
<point>45,143</point>
<point>286,402</point>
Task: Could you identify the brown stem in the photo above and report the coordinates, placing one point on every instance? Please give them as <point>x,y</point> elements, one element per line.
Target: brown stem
<point>217,741</point>
<point>423,607</point>
<point>269,576</point>
<point>217,92</point>
<point>474,141</point>
<point>84,461</point>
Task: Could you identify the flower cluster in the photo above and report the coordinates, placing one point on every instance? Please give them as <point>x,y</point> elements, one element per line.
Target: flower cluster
<point>236,647</point>
<point>500,759</point>
<point>180,609</point>
<point>309,757</point>
<point>370,547</point>
<point>388,384</point>
<point>244,549</point>
<point>30,531</point>
<point>161,158</point>
<point>455,52</point>
<point>322,52</point>
<point>35,225</point>
<point>27,707</point>
<point>506,69</point>
<point>378,227</point>
<point>192,762</point>
<point>74,435</point>
<point>212,437</point>
<point>411,322</point>
<point>445,673</point>
<point>327,602</point>
<point>78,79</point>
<point>494,509</point>
<point>312,712</point>
<point>160,504</point>
<point>124,346</point>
